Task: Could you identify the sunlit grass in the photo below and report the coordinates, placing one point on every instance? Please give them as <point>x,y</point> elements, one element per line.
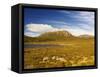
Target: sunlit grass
<point>77,52</point>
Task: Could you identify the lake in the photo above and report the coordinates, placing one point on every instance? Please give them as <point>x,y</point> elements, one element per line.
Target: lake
<point>39,45</point>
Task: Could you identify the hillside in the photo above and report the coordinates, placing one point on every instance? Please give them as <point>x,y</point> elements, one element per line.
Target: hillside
<point>50,36</point>
<point>55,36</point>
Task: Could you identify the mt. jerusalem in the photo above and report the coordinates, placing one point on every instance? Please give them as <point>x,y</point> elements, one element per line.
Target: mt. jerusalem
<point>57,34</point>
<point>50,36</point>
<point>54,36</point>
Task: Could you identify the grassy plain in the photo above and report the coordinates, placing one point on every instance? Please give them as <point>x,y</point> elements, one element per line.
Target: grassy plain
<point>70,52</point>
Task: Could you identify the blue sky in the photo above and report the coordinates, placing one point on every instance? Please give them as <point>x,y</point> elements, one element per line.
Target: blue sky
<point>37,21</point>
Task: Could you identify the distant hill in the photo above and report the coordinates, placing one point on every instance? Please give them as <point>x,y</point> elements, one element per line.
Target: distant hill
<point>53,36</point>
<point>85,36</point>
<point>57,34</point>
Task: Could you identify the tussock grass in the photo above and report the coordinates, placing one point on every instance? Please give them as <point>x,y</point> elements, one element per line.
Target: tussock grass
<point>72,52</point>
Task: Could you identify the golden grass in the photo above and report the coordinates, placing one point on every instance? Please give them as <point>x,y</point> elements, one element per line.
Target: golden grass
<point>78,52</point>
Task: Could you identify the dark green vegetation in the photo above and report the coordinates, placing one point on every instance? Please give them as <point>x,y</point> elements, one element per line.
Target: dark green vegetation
<point>71,51</point>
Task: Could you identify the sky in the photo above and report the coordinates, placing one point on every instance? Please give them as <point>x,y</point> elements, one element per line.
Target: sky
<point>38,21</point>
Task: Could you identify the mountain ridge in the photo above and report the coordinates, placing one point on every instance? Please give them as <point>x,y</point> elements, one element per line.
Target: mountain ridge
<point>55,36</point>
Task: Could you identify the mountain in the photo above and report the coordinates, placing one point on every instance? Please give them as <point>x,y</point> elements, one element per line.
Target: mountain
<point>85,36</point>
<point>55,36</point>
<point>50,36</point>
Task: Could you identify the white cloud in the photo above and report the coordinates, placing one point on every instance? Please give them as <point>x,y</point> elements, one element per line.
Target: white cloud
<point>36,29</point>
<point>40,28</point>
<point>79,31</point>
<point>87,22</point>
<point>31,34</point>
<point>66,12</point>
<point>87,17</point>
